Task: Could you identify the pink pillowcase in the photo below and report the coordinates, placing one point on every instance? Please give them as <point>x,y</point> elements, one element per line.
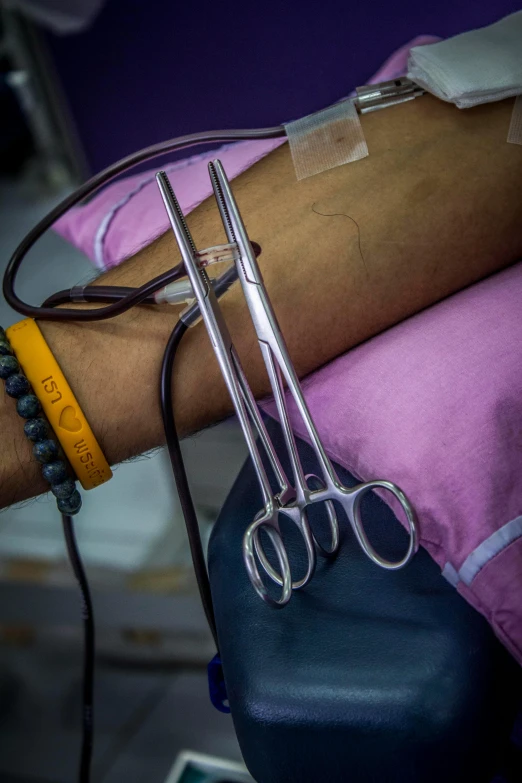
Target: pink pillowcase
<point>130,214</point>
<point>433,404</point>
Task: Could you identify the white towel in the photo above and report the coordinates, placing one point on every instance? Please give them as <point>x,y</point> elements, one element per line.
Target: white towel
<point>481,66</point>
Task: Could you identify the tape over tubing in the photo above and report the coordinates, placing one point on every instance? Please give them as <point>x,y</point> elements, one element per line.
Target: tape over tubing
<point>326,139</point>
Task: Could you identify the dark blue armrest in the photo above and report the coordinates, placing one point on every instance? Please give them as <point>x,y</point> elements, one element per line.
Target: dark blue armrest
<point>366,675</point>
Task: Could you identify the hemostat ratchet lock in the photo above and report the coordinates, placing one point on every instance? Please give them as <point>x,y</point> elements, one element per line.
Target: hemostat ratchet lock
<point>293,498</point>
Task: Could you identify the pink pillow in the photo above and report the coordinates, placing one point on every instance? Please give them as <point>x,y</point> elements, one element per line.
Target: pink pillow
<point>129,214</point>
<point>435,405</point>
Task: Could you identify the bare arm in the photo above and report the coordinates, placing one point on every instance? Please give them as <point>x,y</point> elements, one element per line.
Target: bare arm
<point>436,206</point>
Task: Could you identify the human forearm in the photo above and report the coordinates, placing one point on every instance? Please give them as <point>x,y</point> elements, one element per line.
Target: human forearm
<point>345,254</point>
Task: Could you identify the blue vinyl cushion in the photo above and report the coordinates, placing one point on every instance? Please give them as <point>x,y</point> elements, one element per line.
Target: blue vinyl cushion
<point>366,675</point>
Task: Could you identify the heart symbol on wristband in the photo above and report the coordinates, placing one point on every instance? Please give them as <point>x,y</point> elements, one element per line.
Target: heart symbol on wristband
<point>68,420</point>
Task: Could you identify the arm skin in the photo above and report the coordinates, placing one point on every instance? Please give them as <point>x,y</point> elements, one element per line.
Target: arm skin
<point>436,206</point>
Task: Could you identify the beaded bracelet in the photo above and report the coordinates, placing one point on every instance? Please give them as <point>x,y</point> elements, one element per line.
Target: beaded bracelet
<point>46,450</point>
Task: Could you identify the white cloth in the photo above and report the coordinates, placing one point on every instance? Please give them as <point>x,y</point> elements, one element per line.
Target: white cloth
<point>480,66</point>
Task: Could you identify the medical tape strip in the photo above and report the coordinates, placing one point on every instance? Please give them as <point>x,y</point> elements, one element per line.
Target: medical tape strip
<point>515,126</point>
<point>77,294</point>
<point>326,139</point>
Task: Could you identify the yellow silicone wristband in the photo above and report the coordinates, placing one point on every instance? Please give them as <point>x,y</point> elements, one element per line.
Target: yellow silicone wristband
<point>59,404</point>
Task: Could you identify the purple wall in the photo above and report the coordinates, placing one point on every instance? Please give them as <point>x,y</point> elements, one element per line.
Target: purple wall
<point>149,70</point>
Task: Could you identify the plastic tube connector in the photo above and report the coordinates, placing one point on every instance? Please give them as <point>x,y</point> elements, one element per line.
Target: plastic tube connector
<point>218,254</point>
<point>175,293</point>
<point>181,291</point>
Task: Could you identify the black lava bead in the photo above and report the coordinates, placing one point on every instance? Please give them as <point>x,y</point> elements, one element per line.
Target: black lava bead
<point>8,365</point>
<point>36,429</point>
<point>55,472</point>
<point>45,450</point>
<point>28,406</point>
<point>70,505</point>
<point>5,348</point>
<point>17,385</point>
<point>65,489</point>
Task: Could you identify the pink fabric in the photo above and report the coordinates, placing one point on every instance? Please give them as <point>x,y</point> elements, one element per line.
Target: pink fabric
<point>129,214</point>
<point>433,404</point>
